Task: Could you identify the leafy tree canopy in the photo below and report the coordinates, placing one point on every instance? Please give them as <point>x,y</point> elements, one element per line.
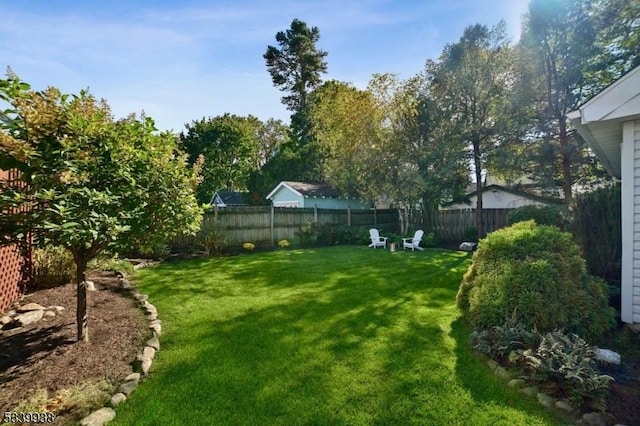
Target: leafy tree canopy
<point>88,182</point>
<point>230,148</point>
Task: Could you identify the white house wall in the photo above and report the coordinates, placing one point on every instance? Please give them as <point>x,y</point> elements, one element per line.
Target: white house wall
<point>636,224</point>
<point>630,291</point>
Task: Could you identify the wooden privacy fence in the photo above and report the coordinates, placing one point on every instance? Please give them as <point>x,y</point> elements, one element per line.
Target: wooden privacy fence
<point>268,224</point>
<point>459,225</point>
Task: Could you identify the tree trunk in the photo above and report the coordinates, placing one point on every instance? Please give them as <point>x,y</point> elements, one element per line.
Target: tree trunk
<point>478,166</point>
<point>427,211</point>
<point>82,314</point>
<point>566,162</point>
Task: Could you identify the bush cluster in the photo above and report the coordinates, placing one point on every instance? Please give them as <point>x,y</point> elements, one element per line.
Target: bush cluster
<point>52,266</point>
<point>499,342</point>
<point>563,364</point>
<point>569,363</point>
<point>534,276</point>
<point>543,215</point>
<point>328,234</point>
<point>211,238</point>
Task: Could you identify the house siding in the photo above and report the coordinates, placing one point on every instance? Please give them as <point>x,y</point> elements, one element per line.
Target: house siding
<point>635,263</point>
<point>335,203</point>
<point>286,198</point>
<point>497,200</point>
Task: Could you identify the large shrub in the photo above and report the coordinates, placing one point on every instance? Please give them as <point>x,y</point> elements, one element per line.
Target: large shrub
<point>533,275</point>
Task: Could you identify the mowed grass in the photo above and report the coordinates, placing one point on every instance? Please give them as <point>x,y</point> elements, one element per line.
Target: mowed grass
<point>329,336</point>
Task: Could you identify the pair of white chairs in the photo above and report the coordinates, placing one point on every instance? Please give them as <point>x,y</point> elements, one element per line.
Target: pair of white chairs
<point>412,243</point>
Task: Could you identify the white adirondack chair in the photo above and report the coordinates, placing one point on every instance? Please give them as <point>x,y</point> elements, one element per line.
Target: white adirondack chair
<point>376,239</point>
<point>413,243</point>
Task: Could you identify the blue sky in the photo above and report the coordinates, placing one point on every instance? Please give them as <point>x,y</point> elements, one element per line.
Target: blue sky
<point>180,61</point>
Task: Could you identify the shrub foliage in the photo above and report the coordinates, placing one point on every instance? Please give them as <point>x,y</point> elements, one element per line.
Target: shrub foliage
<point>52,266</point>
<point>534,275</point>
<point>543,215</point>
<point>569,363</point>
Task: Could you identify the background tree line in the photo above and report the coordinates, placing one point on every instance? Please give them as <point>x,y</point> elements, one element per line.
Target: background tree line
<point>484,104</point>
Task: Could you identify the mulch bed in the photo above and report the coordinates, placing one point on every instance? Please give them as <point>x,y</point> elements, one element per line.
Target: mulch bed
<point>46,355</point>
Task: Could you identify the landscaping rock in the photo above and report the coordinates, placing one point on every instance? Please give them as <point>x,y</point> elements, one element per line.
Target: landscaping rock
<point>145,366</point>
<point>152,317</point>
<point>501,372</point>
<point>58,309</point>
<point>156,328</point>
<point>117,399</point>
<point>154,342</point>
<point>90,286</point>
<point>545,400</point>
<point>148,352</point>
<point>12,331</point>
<point>29,317</point>
<point>141,297</point>
<point>564,406</point>
<point>516,383</point>
<point>492,364</point>
<point>149,308</point>
<point>133,377</point>
<point>529,390</point>
<point>99,417</point>
<point>5,319</point>
<point>126,284</point>
<point>30,307</point>
<point>49,314</point>
<point>607,356</point>
<point>594,419</point>
<point>127,387</point>
<point>468,246</point>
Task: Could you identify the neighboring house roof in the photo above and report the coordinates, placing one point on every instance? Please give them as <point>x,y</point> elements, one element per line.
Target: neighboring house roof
<point>228,198</point>
<point>599,119</point>
<point>534,197</point>
<point>307,190</point>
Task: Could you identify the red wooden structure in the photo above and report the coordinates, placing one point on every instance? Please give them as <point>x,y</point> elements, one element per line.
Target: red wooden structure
<point>15,267</point>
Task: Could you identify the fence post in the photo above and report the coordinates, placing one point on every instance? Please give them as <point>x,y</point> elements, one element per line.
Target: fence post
<point>315,213</point>
<point>348,215</point>
<point>273,225</point>
<point>215,213</point>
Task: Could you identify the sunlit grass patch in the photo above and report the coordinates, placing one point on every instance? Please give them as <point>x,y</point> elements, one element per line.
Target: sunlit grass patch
<point>340,335</point>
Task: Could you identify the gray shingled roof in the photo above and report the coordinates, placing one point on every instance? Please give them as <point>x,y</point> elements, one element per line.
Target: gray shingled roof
<point>313,189</point>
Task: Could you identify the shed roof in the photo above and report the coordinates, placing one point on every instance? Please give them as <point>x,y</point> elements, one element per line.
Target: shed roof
<point>230,198</point>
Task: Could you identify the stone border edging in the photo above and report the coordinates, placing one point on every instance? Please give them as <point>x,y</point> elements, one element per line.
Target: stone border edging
<point>143,361</point>
<point>561,408</point>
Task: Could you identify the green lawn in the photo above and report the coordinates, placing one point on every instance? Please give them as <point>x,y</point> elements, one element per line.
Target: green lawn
<point>335,336</point>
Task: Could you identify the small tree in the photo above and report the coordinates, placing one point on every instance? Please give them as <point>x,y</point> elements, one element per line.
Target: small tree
<point>90,183</point>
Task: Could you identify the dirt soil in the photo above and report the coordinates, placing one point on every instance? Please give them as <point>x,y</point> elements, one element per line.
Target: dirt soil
<point>46,355</point>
